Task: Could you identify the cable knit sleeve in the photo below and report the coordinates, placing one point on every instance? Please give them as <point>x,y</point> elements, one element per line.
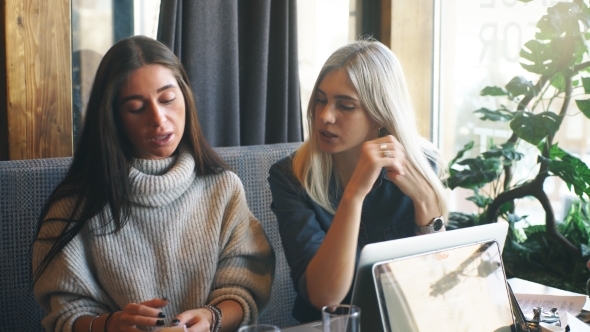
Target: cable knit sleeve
<point>246,262</point>
<point>67,289</point>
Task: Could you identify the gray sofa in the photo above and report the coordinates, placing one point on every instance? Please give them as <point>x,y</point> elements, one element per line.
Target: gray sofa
<point>26,184</point>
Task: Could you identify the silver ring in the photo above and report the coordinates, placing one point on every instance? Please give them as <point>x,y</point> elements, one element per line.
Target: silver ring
<point>383,146</point>
<point>386,154</point>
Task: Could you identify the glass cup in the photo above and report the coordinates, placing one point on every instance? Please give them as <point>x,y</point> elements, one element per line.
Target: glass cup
<point>259,328</point>
<point>341,318</point>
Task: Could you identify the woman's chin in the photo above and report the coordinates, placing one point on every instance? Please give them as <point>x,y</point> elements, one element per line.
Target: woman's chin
<point>155,154</point>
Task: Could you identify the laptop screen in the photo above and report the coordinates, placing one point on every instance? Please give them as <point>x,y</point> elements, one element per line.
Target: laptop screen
<point>458,289</point>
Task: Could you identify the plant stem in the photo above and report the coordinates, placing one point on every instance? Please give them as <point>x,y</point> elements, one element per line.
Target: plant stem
<point>535,187</point>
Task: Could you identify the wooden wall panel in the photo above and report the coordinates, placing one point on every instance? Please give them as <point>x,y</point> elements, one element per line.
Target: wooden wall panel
<point>412,41</point>
<point>38,78</point>
<point>3,100</point>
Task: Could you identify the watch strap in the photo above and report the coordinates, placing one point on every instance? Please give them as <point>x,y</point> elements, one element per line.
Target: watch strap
<point>434,226</point>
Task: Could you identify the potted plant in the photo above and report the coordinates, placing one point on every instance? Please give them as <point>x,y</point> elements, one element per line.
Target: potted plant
<point>559,57</point>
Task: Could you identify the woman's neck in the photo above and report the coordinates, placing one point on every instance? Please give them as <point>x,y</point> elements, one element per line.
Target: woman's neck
<point>344,164</point>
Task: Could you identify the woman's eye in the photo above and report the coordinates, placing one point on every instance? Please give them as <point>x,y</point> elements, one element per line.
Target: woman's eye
<point>135,109</point>
<point>347,107</point>
<point>320,101</point>
<point>168,101</point>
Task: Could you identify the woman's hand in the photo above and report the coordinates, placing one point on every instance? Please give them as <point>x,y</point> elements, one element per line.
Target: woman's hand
<point>138,314</point>
<point>401,172</point>
<point>196,320</point>
<point>384,152</point>
<point>200,320</point>
<point>409,180</point>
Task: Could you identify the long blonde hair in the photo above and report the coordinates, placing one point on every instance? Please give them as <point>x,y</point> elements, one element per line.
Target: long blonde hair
<point>378,78</point>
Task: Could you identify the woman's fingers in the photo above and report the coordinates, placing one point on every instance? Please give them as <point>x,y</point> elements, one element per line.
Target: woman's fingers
<point>143,314</point>
<point>155,303</point>
<point>196,320</point>
<point>142,309</point>
<point>391,153</point>
<point>140,320</point>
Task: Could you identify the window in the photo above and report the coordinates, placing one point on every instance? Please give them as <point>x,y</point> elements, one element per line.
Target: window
<point>322,27</point>
<point>480,45</point>
<point>96,26</point>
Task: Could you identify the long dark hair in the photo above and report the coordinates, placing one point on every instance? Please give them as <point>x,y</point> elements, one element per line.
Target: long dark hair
<point>99,174</point>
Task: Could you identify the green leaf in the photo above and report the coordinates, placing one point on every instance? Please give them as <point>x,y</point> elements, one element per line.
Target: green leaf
<point>570,169</point>
<point>541,56</point>
<point>493,91</point>
<point>558,82</point>
<point>462,220</point>
<point>480,200</point>
<point>525,1</point>
<point>476,174</point>
<point>576,225</point>
<point>461,152</point>
<point>471,179</point>
<point>586,83</point>
<point>506,151</point>
<point>562,19</point>
<point>584,106</point>
<point>512,218</point>
<point>580,49</point>
<point>519,86</point>
<point>533,128</point>
<point>497,115</point>
<point>549,57</point>
<point>533,229</point>
<point>509,151</point>
<point>506,207</point>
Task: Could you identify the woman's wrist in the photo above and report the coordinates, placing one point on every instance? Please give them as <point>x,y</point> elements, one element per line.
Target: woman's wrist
<point>215,325</point>
<point>425,212</point>
<point>92,323</point>
<point>107,321</point>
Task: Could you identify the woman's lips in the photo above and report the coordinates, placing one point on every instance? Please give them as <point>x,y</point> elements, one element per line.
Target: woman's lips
<point>327,136</point>
<point>162,140</point>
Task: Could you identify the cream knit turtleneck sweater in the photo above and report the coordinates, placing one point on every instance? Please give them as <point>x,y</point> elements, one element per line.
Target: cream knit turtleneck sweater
<point>191,239</point>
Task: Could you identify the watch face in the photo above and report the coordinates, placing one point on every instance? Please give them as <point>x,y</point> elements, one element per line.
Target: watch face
<point>437,224</point>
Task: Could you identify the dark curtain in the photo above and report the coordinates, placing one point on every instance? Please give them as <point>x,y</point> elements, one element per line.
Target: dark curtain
<point>241,59</point>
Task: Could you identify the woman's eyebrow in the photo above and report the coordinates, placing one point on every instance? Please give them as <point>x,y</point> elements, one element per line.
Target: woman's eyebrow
<point>140,97</point>
<point>346,97</point>
<point>167,86</point>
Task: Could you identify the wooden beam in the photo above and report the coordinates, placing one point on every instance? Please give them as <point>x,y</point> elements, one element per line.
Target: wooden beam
<point>412,42</point>
<point>38,78</point>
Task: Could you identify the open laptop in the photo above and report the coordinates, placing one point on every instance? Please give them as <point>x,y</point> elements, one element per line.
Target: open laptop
<point>457,289</point>
<point>364,294</point>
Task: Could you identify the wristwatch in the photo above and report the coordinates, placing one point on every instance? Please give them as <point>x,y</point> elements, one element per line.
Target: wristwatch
<point>434,226</point>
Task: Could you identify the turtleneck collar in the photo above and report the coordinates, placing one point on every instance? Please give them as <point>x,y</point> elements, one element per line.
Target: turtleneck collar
<point>160,182</point>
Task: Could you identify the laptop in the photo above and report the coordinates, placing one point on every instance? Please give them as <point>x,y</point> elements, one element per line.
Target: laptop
<point>457,289</point>
<point>364,294</point>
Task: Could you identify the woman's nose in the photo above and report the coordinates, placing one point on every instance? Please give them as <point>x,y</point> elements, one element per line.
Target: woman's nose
<point>327,114</point>
<point>157,115</point>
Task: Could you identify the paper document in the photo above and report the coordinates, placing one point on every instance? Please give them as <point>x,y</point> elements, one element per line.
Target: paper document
<point>564,303</point>
<point>575,324</point>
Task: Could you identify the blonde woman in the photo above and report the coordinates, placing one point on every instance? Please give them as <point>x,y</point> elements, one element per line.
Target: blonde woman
<point>364,175</point>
